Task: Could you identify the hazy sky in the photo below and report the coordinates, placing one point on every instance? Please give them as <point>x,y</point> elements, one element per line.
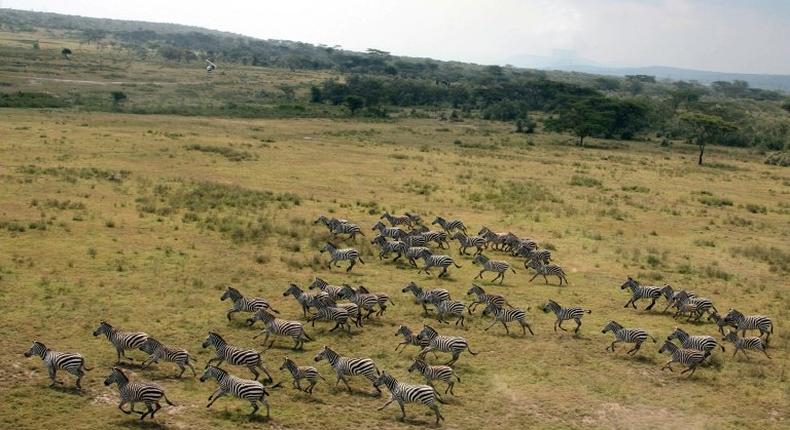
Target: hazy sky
<point>751,36</point>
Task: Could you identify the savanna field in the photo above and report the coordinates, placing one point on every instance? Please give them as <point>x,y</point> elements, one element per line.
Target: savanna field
<point>143,220</point>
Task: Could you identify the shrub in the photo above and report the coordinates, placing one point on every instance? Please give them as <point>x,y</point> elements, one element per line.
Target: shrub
<point>584,181</point>
<point>227,152</point>
<point>715,201</point>
<point>780,158</point>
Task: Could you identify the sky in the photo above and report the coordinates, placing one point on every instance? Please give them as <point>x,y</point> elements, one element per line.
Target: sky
<point>746,36</point>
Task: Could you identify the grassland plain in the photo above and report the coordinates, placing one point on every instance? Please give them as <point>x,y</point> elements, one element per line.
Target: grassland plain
<point>119,217</point>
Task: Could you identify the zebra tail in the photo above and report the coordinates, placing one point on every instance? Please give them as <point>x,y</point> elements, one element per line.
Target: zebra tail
<point>438,397</point>
<point>168,400</point>
<point>456,265</point>
<point>513,270</point>
<point>85,367</point>
<point>589,311</point>
<point>470,350</point>
<point>360,259</point>
<point>654,339</point>
<point>457,377</point>
<point>304,333</point>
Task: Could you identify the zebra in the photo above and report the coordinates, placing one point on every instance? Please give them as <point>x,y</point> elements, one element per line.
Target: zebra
<point>306,300</point>
<point>121,340</point>
<point>302,372</point>
<point>671,295</point>
<point>414,239</point>
<point>337,254</point>
<point>338,314</point>
<point>437,237</point>
<point>415,219</point>
<point>497,239</point>
<point>721,322</point>
<point>454,345</point>
<point>482,298</point>
<point>408,393</point>
<point>249,390</point>
<point>330,223</point>
<point>449,226</point>
<point>751,322</point>
<point>433,297</point>
<point>628,335</point>
<point>450,308</point>
<point>409,338</point>
<point>574,313</point>
<point>526,248</point>
<point>465,242</point>
<point>348,366</point>
<point>210,66</point>
<point>352,230</point>
<point>367,302</point>
<point>235,355</point>
<point>511,242</point>
<point>382,298</point>
<point>700,343</point>
<point>541,255</point>
<point>71,362</point>
<point>505,316</point>
<point>698,305</point>
<point>387,246</point>
<point>744,343</point>
<point>414,252</point>
<point>243,304</point>
<point>691,358</point>
<point>279,327</point>
<point>432,373</point>
<point>158,351</point>
<point>395,221</point>
<point>137,392</point>
<point>640,292</point>
<point>498,267</point>
<point>547,270</point>
<point>391,232</point>
<point>430,260</point>
<point>331,290</point>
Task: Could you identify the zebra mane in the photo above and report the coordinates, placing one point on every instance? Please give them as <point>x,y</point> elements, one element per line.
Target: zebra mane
<point>117,370</point>
<point>215,334</point>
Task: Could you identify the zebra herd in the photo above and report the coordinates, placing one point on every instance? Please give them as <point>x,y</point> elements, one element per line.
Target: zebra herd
<point>345,306</point>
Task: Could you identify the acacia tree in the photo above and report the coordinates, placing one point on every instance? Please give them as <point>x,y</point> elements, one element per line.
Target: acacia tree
<point>706,129</point>
<point>582,118</point>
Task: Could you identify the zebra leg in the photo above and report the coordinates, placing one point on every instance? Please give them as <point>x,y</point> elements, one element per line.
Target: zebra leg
<point>745,355</point>
<point>351,266</point>
<point>402,410</point>
<point>628,303</point>
<point>460,319</point>
<point>611,346</point>
<point>507,330</point>
<point>635,348</point>
<point>387,403</point>
<point>183,369</point>
<point>254,372</point>
<point>343,378</point>
<point>578,325</point>
<point>444,272</point>
<point>668,365</point>
<point>766,353</point>
<point>545,278</point>
<point>559,324</point>
<point>268,375</point>
<point>454,359</point>
<point>492,324</point>
<point>230,312</point>
<point>254,404</point>
<point>131,408</point>
<point>652,304</point>
<point>480,275</point>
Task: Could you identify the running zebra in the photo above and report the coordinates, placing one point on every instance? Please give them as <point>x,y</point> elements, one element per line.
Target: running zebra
<point>278,327</point>
<point>121,340</point>
<point>721,322</point>
<point>437,237</point>
<point>392,232</point>
<point>395,221</point>
<point>337,314</point>
<point>445,374</point>
<point>628,335</point>
<point>337,254</point>
<point>409,338</point>
<point>449,226</point>
<point>433,297</point>
<point>71,362</point>
<point>671,295</point>
<point>235,355</point>
<point>331,290</point>
<point>454,345</point>
<point>563,314</point>
<point>158,351</point>
<point>415,219</point>
<point>243,304</point>
<point>389,246</point>
<point>449,309</point>
<point>306,300</point>
<point>414,239</point>
<point>347,366</point>
<point>137,392</point>
<point>302,372</point>
<point>541,255</point>
<point>465,242</point>
<point>690,358</point>
<point>751,322</point>
<point>430,260</point>
<point>640,292</point>
<point>414,252</point>
<point>408,393</point>
<point>330,223</point>
<point>547,270</point>
<point>481,297</point>
<point>383,299</point>
<point>251,391</point>
<point>694,305</point>
<point>526,248</point>
<point>744,343</point>
<point>700,343</point>
<point>367,302</point>
<point>352,230</point>
<point>489,265</point>
<point>505,316</point>
<point>495,239</point>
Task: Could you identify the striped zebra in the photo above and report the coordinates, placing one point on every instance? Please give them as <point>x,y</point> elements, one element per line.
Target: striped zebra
<point>309,373</point>
<point>246,389</point>
<point>489,265</point>
<point>243,304</point>
<point>121,340</point>
<point>408,393</point>
<point>235,355</point>
<point>671,295</point>
<point>306,300</point>
<point>414,239</point>
<point>409,338</point>
<point>695,305</point>
<point>497,240</point>
<point>71,362</point>
<point>278,327</point>
<point>414,252</point>
<point>437,237</point>
<point>445,374</point>
<point>146,393</point>
<point>430,260</point>
<point>389,246</point>
<point>330,223</point>
<point>541,255</point>
<point>700,343</point>
<point>639,291</point>
<point>391,232</point>
<point>331,290</point>
<point>450,308</point>
<point>744,343</point>
<point>158,351</point>
<point>751,322</point>
<point>336,254</point>
<point>563,314</point>
<point>348,366</point>
<point>526,248</point>
<point>368,302</point>
<point>481,297</point>
<point>404,220</point>
<point>352,230</point>
<point>465,242</point>
<point>636,336</point>
<point>383,299</point>
<point>511,242</point>
<point>454,345</point>
<point>690,358</point>
<point>415,219</point>
<point>449,226</point>
<point>504,316</point>
<point>433,297</point>
<point>330,312</point>
<point>547,270</point>
<point>721,322</point>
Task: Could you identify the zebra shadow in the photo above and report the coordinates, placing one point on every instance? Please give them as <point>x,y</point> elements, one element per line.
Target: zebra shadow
<point>355,392</point>
<point>130,365</point>
<point>307,398</point>
<point>137,423</point>
<point>70,389</point>
<point>414,422</point>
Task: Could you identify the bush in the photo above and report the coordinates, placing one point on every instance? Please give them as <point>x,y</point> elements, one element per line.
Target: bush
<point>584,181</point>
<point>227,152</point>
<point>781,158</point>
<point>715,201</point>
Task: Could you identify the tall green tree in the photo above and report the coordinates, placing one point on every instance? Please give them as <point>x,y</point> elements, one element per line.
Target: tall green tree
<point>583,118</point>
<point>706,129</point>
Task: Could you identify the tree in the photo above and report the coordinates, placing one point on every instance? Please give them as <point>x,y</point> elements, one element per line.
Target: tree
<point>66,53</point>
<point>786,106</point>
<point>582,118</point>
<point>118,97</point>
<point>354,103</point>
<point>706,129</point>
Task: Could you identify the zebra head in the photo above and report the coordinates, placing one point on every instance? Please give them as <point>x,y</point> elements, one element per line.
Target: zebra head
<point>37,348</point>
<point>324,353</point>
<point>347,292</point>
<point>378,240</point>
<point>459,236</point>
<point>385,379</point>
<point>403,331</point>
<point>321,219</point>
<point>677,333</point>
<point>386,215</point>
<point>427,333</point>
<point>328,247</point>
<point>550,306</point>
<point>212,339</point>
<point>293,289</point>
<point>612,326</point>
<point>287,364</point>
<point>491,308</point>
<point>476,290</point>
<point>418,365</point>
<point>438,220</point>
<point>212,372</point>
<point>629,283</point>
<point>103,328</point>
<point>425,253</point>
<point>318,283</point>
<point>412,287</point>
<point>378,226</point>
<point>116,376</point>
<point>733,315</point>
<point>150,345</point>
<point>667,291</point>
<point>260,315</point>
<point>231,293</point>
<point>732,336</point>
<point>668,346</point>
<point>480,259</point>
